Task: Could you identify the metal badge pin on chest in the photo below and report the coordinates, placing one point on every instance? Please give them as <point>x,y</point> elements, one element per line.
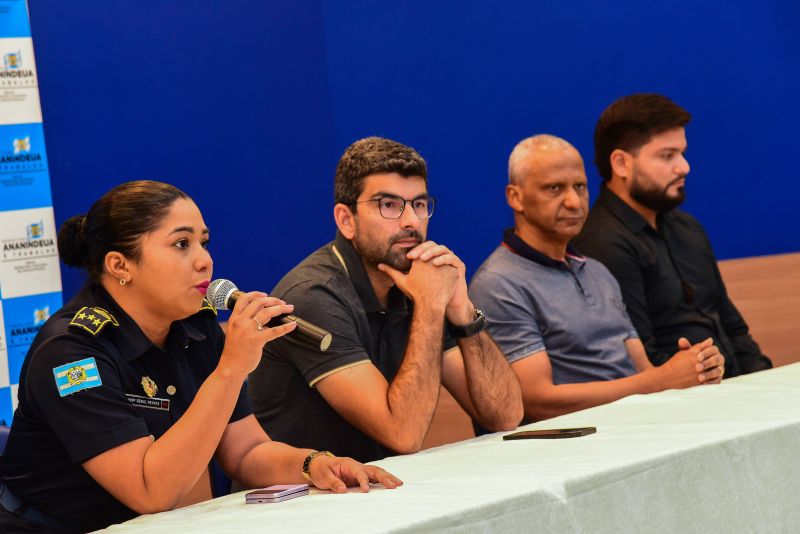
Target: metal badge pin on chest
<point>171,390</point>
<point>149,386</point>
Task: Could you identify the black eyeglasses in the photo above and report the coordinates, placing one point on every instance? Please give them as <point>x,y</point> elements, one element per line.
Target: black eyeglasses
<point>392,207</point>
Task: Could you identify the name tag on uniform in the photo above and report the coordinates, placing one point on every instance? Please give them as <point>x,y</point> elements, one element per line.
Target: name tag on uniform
<point>148,402</point>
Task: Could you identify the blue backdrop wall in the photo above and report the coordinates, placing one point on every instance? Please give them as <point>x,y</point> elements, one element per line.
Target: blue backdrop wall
<point>247,105</point>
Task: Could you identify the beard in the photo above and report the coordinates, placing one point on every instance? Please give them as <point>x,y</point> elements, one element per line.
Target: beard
<point>374,253</point>
<point>655,198</point>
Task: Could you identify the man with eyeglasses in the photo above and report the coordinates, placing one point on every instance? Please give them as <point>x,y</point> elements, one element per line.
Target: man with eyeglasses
<point>401,320</point>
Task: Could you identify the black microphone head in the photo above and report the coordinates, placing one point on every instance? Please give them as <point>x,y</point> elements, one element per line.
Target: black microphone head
<point>219,292</point>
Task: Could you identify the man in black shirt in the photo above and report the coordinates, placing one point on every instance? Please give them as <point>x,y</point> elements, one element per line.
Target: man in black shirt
<point>386,294</point>
<point>660,255</point>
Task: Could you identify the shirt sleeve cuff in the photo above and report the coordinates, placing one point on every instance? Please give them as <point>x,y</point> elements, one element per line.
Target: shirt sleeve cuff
<point>524,352</point>
<point>313,383</point>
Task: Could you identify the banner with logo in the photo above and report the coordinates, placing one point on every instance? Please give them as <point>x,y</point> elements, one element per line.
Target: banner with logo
<point>30,278</point>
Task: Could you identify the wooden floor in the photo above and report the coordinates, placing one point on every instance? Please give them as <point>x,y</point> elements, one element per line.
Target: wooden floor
<point>765,289</point>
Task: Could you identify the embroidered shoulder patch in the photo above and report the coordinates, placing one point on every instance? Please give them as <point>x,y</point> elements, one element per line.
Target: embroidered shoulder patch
<point>93,320</point>
<point>75,376</point>
<point>207,306</point>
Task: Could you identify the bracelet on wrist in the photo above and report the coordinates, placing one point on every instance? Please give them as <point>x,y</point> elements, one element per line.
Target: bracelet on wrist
<point>307,462</point>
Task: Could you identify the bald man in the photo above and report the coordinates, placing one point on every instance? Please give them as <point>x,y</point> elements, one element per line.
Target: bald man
<point>557,316</point>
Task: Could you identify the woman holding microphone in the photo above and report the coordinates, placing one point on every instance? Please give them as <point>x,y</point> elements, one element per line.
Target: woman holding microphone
<point>131,388</point>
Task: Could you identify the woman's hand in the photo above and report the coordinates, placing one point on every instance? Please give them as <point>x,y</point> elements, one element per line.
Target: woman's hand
<point>247,332</point>
<point>336,474</point>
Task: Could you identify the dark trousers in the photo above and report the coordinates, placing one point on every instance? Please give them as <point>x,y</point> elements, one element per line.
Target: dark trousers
<point>16,516</point>
<point>11,523</point>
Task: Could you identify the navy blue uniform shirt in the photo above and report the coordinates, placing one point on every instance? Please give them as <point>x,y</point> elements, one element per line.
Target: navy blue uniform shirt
<point>93,381</point>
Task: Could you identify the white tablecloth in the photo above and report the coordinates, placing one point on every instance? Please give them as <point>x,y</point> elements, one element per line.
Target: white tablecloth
<point>707,459</point>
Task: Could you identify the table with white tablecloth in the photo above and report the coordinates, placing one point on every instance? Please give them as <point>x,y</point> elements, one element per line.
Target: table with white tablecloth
<point>705,459</point>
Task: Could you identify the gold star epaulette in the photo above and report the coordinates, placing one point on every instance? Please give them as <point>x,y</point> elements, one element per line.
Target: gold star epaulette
<point>93,320</point>
<point>207,306</point>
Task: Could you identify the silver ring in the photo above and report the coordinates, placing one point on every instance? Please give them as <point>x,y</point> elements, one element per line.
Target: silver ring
<point>260,325</point>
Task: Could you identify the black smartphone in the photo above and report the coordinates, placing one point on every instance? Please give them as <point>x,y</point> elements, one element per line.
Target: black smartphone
<point>556,433</point>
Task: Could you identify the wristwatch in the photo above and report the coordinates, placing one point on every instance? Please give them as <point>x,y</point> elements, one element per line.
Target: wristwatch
<point>307,462</point>
<point>468,330</point>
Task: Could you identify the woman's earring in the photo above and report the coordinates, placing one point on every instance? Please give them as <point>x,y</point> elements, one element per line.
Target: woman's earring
<point>122,281</point>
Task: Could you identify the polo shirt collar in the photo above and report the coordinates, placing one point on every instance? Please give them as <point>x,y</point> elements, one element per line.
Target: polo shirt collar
<point>357,273</point>
<point>136,343</point>
<point>517,245</point>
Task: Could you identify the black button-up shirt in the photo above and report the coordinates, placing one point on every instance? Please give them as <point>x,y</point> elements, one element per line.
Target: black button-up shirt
<point>670,282</point>
<point>331,289</point>
<point>142,390</point>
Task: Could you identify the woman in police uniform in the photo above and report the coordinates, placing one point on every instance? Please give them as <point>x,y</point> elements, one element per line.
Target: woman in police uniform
<point>131,388</point>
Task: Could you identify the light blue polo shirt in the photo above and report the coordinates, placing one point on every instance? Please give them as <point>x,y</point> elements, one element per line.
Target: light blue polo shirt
<point>572,309</point>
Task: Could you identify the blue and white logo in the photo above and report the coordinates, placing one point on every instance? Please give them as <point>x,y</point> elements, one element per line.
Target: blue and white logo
<point>35,230</point>
<point>14,69</point>
<point>24,181</point>
<point>40,315</point>
<point>22,145</point>
<point>77,376</point>
<point>13,60</point>
<point>23,318</point>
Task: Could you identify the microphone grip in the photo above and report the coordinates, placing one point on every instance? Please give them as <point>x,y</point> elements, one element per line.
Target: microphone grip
<point>305,330</point>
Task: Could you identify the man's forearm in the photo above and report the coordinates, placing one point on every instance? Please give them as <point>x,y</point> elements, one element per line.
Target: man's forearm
<point>492,385</point>
<point>554,400</point>
<point>414,392</point>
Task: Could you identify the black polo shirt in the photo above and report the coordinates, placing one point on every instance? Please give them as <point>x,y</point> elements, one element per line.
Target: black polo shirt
<point>331,289</point>
<point>670,282</point>
<point>93,381</point>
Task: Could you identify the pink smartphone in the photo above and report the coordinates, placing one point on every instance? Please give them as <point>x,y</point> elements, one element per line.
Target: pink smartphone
<point>281,492</point>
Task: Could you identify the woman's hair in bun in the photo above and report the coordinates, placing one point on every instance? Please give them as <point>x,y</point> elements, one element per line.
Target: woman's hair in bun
<point>116,222</point>
<point>71,244</point>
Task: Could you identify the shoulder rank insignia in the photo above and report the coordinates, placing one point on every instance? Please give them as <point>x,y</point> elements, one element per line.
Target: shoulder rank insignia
<point>93,320</point>
<point>75,376</point>
<point>207,306</point>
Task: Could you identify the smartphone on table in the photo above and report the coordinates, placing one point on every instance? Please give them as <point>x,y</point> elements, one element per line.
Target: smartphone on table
<point>556,433</point>
<point>278,493</point>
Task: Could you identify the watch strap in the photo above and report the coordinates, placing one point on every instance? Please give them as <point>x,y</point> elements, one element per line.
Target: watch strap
<point>468,330</point>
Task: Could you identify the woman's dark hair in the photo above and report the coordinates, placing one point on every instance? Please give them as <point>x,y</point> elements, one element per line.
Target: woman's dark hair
<point>115,223</point>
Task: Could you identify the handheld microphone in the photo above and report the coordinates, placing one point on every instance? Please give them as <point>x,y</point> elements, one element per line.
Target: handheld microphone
<point>223,294</point>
